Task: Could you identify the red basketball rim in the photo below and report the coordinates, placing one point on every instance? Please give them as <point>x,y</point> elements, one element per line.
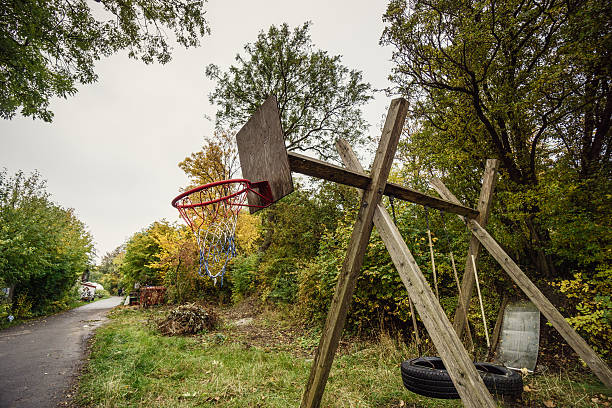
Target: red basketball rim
<point>248,187</point>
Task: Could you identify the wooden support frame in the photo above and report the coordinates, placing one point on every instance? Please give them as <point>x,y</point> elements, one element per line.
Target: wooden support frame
<point>257,143</point>
<point>485,202</point>
<point>353,261</point>
<point>461,369</point>
<point>317,168</point>
<point>597,365</point>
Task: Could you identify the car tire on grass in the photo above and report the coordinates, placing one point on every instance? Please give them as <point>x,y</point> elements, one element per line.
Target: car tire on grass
<point>427,376</point>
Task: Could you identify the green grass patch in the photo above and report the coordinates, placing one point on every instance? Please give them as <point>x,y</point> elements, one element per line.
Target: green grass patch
<point>132,365</point>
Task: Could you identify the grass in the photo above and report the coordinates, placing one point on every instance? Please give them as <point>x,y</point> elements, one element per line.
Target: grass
<point>132,365</point>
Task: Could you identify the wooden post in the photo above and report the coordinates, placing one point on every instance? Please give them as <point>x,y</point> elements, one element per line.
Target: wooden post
<point>484,208</point>
<point>599,367</point>
<point>353,261</point>
<point>498,326</point>
<point>461,369</point>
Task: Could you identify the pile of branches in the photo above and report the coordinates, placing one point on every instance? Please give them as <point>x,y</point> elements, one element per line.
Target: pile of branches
<point>187,319</point>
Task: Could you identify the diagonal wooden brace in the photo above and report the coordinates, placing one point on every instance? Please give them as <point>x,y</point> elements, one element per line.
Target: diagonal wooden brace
<point>353,260</point>
<point>461,369</point>
<point>599,367</point>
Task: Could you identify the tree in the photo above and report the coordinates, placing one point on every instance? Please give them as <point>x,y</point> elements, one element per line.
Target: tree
<point>47,47</point>
<point>527,82</point>
<point>218,160</point>
<point>107,273</point>
<point>526,71</point>
<point>318,97</point>
<point>44,248</point>
<point>177,259</point>
<point>141,253</point>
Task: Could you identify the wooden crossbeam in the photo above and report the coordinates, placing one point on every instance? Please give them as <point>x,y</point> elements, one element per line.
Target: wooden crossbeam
<point>599,367</point>
<point>317,168</point>
<point>461,369</point>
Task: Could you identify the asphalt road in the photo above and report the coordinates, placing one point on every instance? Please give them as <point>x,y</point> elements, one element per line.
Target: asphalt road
<point>39,359</point>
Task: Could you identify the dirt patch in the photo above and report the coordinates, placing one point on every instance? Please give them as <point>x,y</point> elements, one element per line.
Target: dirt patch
<point>250,307</point>
<point>253,324</point>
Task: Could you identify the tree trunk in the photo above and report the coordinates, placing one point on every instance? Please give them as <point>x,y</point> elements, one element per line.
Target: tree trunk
<point>268,231</point>
<point>538,239</point>
<point>11,294</point>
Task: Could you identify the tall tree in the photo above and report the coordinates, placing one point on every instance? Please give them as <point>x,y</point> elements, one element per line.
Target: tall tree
<point>218,160</point>
<point>528,82</point>
<point>107,273</point>
<point>47,47</point>
<point>44,248</point>
<point>319,98</point>
<point>139,265</point>
<point>523,68</point>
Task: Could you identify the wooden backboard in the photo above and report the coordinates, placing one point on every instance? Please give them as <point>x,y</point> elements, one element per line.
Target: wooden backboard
<point>263,156</point>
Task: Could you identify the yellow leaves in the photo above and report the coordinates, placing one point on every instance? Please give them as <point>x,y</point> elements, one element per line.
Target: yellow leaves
<point>247,231</point>
<point>216,161</point>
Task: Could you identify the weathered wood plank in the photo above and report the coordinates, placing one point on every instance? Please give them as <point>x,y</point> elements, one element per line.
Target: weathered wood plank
<point>599,367</point>
<point>262,152</point>
<point>485,201</point>
<point>498,326</point>
<point>317,168</point>
<point>456,360</point>
<point>358,243</point>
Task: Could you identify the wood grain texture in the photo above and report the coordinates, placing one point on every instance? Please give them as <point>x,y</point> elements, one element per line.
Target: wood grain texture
<point>317,168</point>
<point>485,202</point>
<point>597,365</point>
<point>461,369</point>
<point>262,152</point>
<point>360,237</point>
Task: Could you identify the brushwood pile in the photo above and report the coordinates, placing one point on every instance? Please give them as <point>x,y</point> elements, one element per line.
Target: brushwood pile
<point>189,318</point>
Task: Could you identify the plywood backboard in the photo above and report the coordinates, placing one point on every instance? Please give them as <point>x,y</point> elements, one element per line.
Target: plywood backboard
<point>262,152</point>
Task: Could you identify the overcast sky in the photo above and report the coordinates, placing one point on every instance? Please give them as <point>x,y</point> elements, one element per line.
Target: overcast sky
<point>112,150</point>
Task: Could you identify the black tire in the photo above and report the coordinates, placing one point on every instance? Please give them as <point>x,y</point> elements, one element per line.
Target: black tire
<point>432,393</point>
<point>500,380</point>
<point>428,376</point>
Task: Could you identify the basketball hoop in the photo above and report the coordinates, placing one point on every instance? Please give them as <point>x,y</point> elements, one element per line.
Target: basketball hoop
<point>211,211</point>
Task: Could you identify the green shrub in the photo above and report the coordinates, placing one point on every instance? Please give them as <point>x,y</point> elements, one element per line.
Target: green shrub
<point>283,288</point>
<point>5,311</point>
<point>22,306</point>
<point>101,293</point>
<point>593,307</point>
<point>242,276</point>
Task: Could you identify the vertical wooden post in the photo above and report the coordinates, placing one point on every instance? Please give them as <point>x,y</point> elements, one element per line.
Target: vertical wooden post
<point>489,180</point>
<point>353,261</point>
<point>498,326</point>
<point>468,383</point>
<point>599,367</point>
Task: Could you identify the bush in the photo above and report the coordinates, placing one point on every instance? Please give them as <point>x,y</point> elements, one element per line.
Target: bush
<point>283,288</point>
<point>22,306</point>
<point>242,276</point>
<point>101,293</point>
<point>593,305</point>
<point>5,311</point>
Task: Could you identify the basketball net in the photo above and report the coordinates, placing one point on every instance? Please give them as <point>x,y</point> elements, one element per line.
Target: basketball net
<point>211,211</point>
